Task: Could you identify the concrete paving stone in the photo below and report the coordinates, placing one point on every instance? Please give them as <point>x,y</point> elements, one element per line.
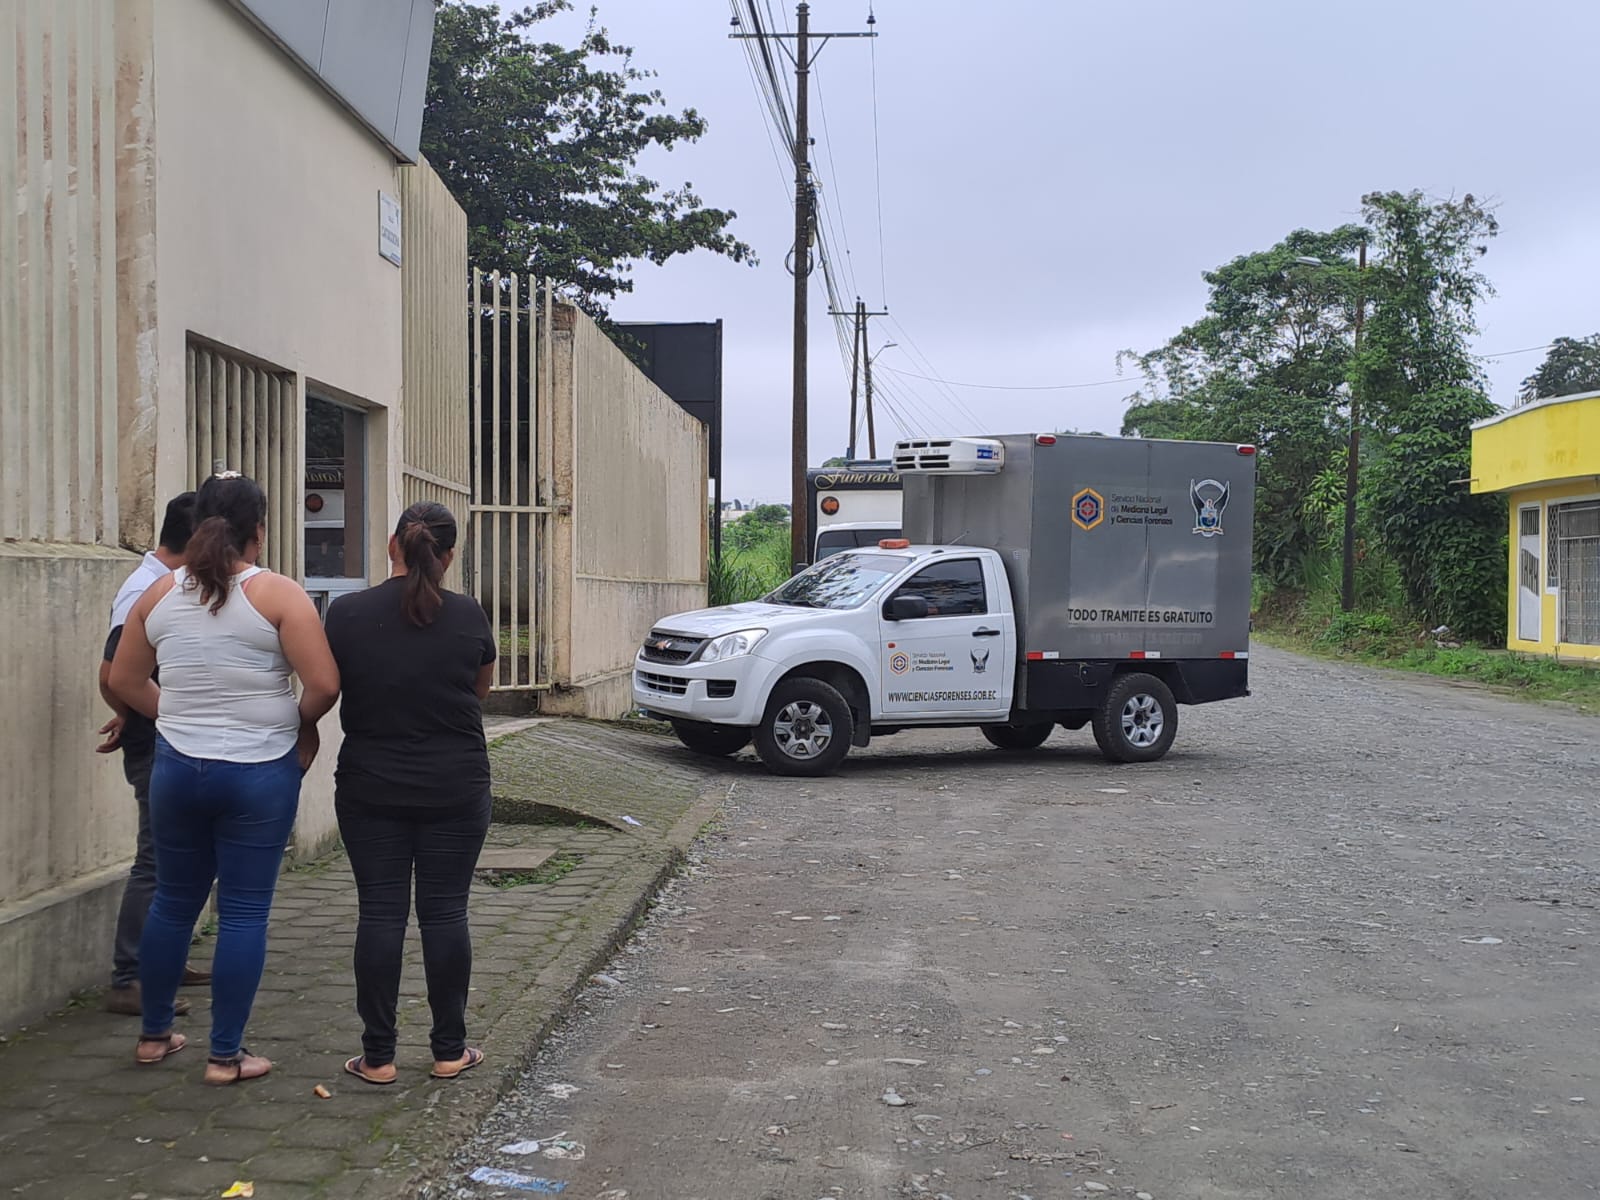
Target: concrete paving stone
<point>292,1166</point>
<point>267,1117</point>
<point>73,1096</point>
<point>191,1180</point>
<point>223,1145</point>
<point>342,1129</point>
<point>351,1185</point>
<point>82,1186</point>
<point>370,1154</point>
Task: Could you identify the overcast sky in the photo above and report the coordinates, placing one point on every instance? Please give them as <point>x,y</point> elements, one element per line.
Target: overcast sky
<point>1056,174</point>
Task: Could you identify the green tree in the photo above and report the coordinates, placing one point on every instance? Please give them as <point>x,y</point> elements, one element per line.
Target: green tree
<point>1423,390</point>
<point>756,526</point>
<point>539,144</point>
<point>1571,366</point>
<point>1266,365</point>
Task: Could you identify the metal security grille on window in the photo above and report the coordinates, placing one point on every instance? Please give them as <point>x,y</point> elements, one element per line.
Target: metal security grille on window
<point>246,417</point>
<point>1552,565</point>
<point>1528,559</point>
<point>1578,547</point>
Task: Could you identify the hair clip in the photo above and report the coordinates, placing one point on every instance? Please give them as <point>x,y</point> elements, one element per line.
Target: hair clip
<point>227,475</point>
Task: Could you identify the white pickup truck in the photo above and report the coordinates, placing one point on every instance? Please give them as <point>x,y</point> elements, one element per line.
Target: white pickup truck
<point>1058,581</point>
<point>840,652</point>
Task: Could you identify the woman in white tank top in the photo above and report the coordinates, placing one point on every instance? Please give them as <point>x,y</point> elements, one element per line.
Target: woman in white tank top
<point>232,745</point>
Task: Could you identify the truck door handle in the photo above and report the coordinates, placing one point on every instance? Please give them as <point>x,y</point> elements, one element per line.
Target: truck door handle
<point>985,633</point>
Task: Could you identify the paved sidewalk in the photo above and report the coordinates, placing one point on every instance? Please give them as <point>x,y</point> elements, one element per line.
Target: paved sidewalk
<point>79,1120</point>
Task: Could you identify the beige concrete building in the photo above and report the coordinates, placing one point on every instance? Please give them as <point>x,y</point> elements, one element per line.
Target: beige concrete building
<point>215,248</point>
<point>203,260</point>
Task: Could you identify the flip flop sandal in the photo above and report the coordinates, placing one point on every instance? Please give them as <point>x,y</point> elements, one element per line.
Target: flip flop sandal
<point>172,1041</point>
<point>474,1058</point>
<point>357,1067</point>
<point>235,1061</point>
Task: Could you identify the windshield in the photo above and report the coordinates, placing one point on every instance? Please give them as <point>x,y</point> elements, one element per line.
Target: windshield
<point>843,581</point>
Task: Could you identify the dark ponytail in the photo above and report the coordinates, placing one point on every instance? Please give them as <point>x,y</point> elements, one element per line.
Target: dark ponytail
<point>425,534</point>
<point>229,511</point>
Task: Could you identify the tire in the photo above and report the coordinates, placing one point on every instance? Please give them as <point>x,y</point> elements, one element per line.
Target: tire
<point>714,741</point>
<point>1137,721</point>
<point>1017,737</point>
<point>807,728</point>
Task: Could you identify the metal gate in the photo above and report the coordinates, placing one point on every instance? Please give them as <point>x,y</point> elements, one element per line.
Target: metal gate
<point>507,558</point>
<point>1577,530</point>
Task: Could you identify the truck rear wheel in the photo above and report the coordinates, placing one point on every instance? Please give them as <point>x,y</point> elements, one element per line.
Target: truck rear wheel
<point>715,741</point>
<point>1137,721</point>
<point>806,730</point>
<point>1018,737</point>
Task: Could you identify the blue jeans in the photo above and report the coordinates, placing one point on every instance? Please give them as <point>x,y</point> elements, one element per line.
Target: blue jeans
<point>222,821</point>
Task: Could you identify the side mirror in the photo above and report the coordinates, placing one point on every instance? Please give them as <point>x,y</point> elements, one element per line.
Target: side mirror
<point>905,608</point>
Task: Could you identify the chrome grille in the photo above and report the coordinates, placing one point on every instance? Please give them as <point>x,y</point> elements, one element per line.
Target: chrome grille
<point>663,647</point>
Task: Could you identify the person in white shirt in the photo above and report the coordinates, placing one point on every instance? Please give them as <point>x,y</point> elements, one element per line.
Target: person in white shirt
<point>135,737</point>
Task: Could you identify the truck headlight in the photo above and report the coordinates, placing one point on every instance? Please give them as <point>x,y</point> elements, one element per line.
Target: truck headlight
<point>731,645</point>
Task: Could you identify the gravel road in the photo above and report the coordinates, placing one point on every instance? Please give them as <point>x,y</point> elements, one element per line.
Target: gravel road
<point>1340,943</point>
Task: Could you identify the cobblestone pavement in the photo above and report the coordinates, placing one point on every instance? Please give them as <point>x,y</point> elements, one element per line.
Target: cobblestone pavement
<point>1341,943</point>
<point>79,1120</point>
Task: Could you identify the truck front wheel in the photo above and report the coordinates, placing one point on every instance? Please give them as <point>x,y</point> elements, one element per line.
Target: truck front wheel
<point>1137,721</point>
<point>806,730</point>
<point>1018,737</point>
<point>715,741</point>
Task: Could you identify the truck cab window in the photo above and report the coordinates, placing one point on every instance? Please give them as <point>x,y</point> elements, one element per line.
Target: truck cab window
<point>952,589</point>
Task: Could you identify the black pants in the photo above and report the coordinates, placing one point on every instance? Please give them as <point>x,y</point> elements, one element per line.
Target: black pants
<point>387,846</point>
<point>141,886</point>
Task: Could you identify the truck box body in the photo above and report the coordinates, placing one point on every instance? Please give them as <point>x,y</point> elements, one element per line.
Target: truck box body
<point>1115,548</point>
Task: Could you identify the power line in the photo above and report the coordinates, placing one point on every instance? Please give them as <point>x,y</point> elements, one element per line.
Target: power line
<point>919,356</point>
<point>1002,387</point>
<point>1524,350</point>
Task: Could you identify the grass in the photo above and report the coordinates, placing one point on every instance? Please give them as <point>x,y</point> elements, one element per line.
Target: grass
<point>750,573</point>
<point>1389,638</point>
<point>552,870</point>
<point>519,647</point>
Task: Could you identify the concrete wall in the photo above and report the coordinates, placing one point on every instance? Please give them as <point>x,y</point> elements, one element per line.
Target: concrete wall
<point>166,174</point>
<point>267,226</point>
<point>633,546</point>
<point>67,817</point>
<point>266,243</point>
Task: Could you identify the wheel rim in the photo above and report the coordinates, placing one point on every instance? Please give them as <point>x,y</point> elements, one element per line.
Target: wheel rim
<point>802,729</point>
<point>1142,720</point>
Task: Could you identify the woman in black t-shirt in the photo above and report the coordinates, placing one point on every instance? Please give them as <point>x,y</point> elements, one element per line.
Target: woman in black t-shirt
<point>412,787</point>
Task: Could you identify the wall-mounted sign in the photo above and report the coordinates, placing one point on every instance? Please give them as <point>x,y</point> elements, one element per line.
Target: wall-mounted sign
<point>389,228</point>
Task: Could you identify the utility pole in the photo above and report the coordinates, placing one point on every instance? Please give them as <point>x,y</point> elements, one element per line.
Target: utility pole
<point>858,354</point>
<point>1347,597</point>
<point>804,220</point>
<point>799,516</point>
<point>872,432</point>
<point>856,338</point>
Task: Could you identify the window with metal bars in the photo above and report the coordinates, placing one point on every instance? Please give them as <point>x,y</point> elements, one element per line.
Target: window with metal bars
<point>245,416</point>
<point>1578,547</point>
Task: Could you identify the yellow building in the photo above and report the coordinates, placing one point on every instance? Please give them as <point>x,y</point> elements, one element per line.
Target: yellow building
<point>1545,456</point>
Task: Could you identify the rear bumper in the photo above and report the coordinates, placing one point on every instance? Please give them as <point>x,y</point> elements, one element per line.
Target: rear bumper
<point>725,693</point>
